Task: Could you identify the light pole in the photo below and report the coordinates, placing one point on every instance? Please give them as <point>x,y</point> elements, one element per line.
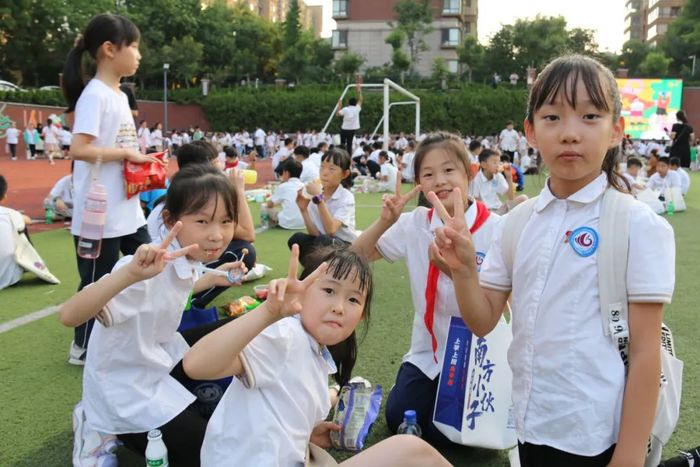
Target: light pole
<point>692,70</point>
<point>166,67</point>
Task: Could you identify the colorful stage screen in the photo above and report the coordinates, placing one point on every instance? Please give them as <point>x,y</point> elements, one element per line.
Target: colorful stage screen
<point>649,106</point>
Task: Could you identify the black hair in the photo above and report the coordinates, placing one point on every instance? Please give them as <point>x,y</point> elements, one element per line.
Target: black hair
<point>288,141</point>
<point>321,145</point>
<point>474,144</point>
<point>377,145</point>
<point>634,162</point>
<point>448,142</point>
<point>384,155</point>
<point>3,187</point>
<point>343,264</point>
<point>193,187</point>
<point>664,160</point>
<point>352,101</point>
<point>505,158</point>
<point>293,167</point>
<point>302,151</point>
<point>486,153</point>
<point>561,77</point>
<point>680,116</point>
<point>675,161</point>
<point>654,153</point>
<point>231,151</point>
<point>196,152</point>
<point>340,157</point>
<point>105,27</point>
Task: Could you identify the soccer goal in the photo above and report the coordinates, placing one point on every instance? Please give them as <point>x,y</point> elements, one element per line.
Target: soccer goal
<point>387,87</point>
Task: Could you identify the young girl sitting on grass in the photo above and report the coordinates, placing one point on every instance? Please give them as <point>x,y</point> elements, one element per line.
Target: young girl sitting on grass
<point>279,354</point>
<point>572,404</point>
<point>329,215</point>
<point>130,382</point>
<point>441,165</point>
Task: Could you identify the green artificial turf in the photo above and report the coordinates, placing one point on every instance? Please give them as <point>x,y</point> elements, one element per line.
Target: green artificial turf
<point>39,388</point>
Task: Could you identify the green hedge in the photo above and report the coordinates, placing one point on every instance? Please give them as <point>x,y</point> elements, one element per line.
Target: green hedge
<point>35,96</point>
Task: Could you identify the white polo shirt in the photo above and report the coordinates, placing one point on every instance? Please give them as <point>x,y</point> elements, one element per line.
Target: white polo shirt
<point>488,190</point>
<point>11,222</point>
<point>342,207</point>
<point>134,345</point>
<point>12,135</point>
<point>408,239</point>
<point>309,171</point>
<point>659,183</point>
<point>407,173</point>
<point>279,156</point>
<point>289,216</point>
<point>389,171</point>
<point>509,140</point>
<point>351,117</point>
<point>105,114</point>
<point>685,180</point>
<point>568,378</point>
<point>265,418</point>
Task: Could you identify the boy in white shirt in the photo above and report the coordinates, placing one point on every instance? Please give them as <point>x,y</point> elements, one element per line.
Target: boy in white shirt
<point>664,177</point>
<point>493,181</point>
<point>675,165</point>
<point>387,173</point>
<point>474,151</point>
<point>60,198</point>
<point>309,171</point>
<point>634,165</point>
<point>406,166</point>
<point>284,211</point>
<point>284,152</point>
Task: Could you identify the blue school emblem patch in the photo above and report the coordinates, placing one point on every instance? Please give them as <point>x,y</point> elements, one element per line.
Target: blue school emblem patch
<point>479,260</point>
<point>584,241</point>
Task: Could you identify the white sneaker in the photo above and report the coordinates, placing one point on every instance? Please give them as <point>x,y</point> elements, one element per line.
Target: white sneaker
<point>90,448</point>
<point>76,354</point>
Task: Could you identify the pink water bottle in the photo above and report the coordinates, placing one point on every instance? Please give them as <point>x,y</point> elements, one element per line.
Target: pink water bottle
<point>93,224</point>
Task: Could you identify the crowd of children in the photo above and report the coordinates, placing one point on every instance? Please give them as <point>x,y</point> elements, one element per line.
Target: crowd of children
<point>282,354</point>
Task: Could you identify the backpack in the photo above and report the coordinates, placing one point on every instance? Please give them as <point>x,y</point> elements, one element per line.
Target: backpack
<point>612,271</point>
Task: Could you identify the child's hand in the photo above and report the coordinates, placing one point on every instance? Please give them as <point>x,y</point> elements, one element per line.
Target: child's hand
<point>237,178</point>
<point>302,201</point>
<point>136,157</point>
<point>453,243</point>
<point>392,206</point>
<point>237,267</point>
<point>321,434</point>
<point>149,260</point>
<point>284,296</point>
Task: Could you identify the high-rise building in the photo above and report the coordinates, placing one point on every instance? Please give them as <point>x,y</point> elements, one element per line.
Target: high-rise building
<point>362,26</point>
<point>310,17</point>
<point>648,20</point>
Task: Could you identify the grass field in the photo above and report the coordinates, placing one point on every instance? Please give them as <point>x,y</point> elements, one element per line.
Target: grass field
<point>39,388</point>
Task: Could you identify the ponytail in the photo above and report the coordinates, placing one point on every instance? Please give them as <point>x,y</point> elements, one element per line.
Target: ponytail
<point>615,178</point>
<point>102,28</point>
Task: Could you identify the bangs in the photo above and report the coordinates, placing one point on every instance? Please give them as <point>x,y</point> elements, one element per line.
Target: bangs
<point>193,187</point>
<point>337,156</point>
<point>561,78</point>
<point>131,32</point>
<point>347,265</point>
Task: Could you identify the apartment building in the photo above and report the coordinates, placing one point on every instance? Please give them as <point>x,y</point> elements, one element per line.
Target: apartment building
<point>648,20</point>
<point>362,26</point>
<point>310,17</point>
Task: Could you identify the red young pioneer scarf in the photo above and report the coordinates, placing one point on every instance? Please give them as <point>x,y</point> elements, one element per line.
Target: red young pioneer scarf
<point>482,213</point>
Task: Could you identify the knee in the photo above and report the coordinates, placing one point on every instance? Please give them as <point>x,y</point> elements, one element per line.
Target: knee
<point>414,451</point>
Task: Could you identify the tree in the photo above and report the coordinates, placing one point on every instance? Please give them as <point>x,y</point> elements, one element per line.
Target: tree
<point>682,39</point>
<point>295,56</point>
<point>581,41</point>
<point>348,64</point>
<point>400,62</point>
<point>185,59</point>
<point>440,70</point>
<point>655,65</point>
<point>633,54</point>
<point>414,19</point>
<point>471,55</point>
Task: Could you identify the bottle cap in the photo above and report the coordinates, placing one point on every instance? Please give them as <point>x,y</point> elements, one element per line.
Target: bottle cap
<point>409,416</point>
<point>154,434</point>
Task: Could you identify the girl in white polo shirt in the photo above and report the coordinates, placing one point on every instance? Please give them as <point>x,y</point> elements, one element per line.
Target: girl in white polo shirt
<point>282,354</point>
<point>572,404</point>
<point>441,165</point>
<point>104,130</point>
<point>329,215</point>
<point>131,382</point>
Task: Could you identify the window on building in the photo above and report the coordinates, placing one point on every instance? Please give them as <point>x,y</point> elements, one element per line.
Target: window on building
<point>340,8</point>
<point>467,28</point>
<point>467,3</point>
<point>450,37</point>
<point>339,39</point>
<point>675,11</point>
<point>451,7</point>
<point>452,66</point>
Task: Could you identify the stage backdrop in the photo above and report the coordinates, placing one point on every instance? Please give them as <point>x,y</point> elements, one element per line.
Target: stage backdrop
<point>649,106</point>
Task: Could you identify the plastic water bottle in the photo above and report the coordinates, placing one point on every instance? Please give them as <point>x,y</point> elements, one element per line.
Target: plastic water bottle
<point>156,451</point>
<point>410,425</point>
<point>93,224</point>
<point>49,215</point>
<point>670,208</point>
<point>264,215</point>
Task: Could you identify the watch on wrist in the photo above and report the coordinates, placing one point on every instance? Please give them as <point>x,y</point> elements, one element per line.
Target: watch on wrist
<point>318,198</point>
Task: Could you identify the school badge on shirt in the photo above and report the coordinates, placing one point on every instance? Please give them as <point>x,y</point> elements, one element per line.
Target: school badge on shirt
<point>584,241</point>
<point>479,260</point>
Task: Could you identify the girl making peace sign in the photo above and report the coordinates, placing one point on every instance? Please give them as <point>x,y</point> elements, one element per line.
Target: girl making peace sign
<point>129,382</point>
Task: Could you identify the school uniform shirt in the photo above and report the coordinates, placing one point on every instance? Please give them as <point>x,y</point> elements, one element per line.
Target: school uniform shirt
<point>154,222</point>
<point>309,171</point>
<point>279,156</point>
<point>409,239</point>
<point>266,415</point>
<point>568,377</point>
<point>389,171</point>
<point>134,345</point>
<point>105,114</point>
<point>685,180</point>
<point>407,173</point>
<point>488,190</point>
<point>509,140</point>
<point>289,216</point>
<point>316,157</point>
<point>342,207</point>
<point>63,189</point>
<point>659,183</point>
<point>12,135</point>
<point>50,134</point>
<point>11,222</point>
<point>351,117</point>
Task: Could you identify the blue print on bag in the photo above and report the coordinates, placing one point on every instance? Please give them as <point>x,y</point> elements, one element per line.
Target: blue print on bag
<point>449,405</point>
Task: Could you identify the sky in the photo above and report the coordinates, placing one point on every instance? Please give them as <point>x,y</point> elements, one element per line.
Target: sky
<point>605,17</point>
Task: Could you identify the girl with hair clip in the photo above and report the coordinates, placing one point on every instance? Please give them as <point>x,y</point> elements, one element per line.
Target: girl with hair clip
<point>133,373</point>
<point>329,209</point>
<point>441,165</point>
<point>572,404</point>
<point>104,137</point>
<point>280,355</point>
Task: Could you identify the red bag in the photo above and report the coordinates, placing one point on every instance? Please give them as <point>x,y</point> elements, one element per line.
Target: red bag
<point>144,177</point>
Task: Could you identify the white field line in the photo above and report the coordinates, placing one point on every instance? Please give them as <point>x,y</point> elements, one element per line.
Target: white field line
<point>26,319</point>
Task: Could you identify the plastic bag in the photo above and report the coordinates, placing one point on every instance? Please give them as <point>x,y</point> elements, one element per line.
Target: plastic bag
<point>356,411</point>
<point>144,177</point>
<point>258,271</point>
